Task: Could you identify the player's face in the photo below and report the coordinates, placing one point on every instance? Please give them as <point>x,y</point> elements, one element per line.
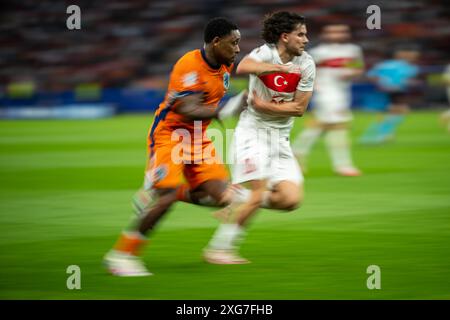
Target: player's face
<point>296,40</point>
<point>227,48</point>
<point>336,33</point>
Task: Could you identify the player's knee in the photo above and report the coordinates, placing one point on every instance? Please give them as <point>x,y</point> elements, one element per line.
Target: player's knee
<point>291,206</point>
<point>167,199</point>
<point>291,203</point>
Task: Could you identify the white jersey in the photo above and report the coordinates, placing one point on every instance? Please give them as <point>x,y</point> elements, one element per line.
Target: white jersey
<point>333,61</point>
<point>260,149</point>
<point>277,86</point>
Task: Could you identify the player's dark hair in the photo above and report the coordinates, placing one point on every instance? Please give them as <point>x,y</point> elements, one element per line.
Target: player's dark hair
<point>218,27</point>
<point>280,22</point>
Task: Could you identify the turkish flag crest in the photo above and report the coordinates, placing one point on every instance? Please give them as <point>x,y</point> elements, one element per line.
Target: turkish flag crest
<point>281,82</point>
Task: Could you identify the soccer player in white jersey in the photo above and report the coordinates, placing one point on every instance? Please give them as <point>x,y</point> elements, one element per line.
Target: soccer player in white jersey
<point>338,62</point>
<point>281,84</point>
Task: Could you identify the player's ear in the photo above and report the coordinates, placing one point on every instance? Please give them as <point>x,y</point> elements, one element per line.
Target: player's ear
<point>215,41</point>
<point>284,37</point>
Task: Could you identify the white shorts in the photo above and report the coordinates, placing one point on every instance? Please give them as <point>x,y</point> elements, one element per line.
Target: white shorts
<point>259,154</point>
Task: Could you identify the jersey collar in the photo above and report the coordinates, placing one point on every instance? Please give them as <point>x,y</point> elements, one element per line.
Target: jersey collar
<point>212,66</point>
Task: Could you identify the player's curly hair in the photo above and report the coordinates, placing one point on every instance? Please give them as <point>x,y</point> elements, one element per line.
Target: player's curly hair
<point>280,22</point>
<point>218,27</point>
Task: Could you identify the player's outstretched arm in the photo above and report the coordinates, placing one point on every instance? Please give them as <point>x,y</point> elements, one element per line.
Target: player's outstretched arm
<point>251,66</point>
<point>295,108</point>
<point>192,108</point>
<point>234,106</point>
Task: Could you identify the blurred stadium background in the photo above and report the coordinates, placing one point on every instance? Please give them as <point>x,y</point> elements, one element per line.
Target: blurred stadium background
<point>66,184</point>
<point>123,54</point>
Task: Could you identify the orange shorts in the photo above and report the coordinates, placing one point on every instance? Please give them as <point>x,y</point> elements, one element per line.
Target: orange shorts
<point>172,162</point>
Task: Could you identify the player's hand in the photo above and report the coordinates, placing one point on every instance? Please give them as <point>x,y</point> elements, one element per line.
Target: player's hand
<point>288,68</point>
<point>234,106</point>
<point>258,103</point>
<point>293,68</point>
<point>283,68</point>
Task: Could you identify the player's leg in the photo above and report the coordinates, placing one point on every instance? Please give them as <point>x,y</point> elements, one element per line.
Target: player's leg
<point>223,246</point>
<point>208,185</point>
<point>396,114</point>
<point>286,192</point>
<point>123,259</point>
<point>338,143</point>
<point>286,195</point>
<point>286,179</point>
<point>249,158</point>
<point>304,142</point>
<point>207,180</point>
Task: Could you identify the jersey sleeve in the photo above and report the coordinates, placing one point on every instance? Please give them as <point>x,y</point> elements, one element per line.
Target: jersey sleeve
<point>186,78</point>
<point>261,54</point>
<point>306,83</point>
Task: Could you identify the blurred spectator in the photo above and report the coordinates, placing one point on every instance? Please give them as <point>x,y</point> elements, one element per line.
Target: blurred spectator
<point>133,43</point>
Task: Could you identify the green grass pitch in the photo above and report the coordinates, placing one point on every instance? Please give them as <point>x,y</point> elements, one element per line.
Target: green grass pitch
<point>65,195</point>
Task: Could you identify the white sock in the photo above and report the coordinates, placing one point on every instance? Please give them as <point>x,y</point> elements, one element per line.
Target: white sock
<point>338,145</point>
<point>305,140</point>
<point>242,195</point>
<point>226,236</point>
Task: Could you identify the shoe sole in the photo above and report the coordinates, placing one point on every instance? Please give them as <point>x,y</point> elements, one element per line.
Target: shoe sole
<point>118,273</point>
<point>220,261</point>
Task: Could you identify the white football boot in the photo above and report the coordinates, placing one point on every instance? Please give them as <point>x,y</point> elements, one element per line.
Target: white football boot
<point>125,265</point>
<point>216,256</point>
<point>348,172</point>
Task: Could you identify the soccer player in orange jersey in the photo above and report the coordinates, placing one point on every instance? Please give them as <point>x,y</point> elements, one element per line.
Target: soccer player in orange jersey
<point>198,81</point>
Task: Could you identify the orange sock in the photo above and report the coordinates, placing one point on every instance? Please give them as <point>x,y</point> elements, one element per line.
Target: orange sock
<point>130,243</point>
<point>183,193</point>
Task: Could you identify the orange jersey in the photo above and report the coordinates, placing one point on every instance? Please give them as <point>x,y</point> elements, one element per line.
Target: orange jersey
<point>191,75</point>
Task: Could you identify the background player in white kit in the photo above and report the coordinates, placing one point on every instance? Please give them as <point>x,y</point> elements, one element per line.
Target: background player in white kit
<point>338,62</point>
<point>281,84</point>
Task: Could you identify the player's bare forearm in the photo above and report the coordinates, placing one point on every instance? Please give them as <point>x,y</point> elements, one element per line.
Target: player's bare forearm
<point>192,108</point>
<point>295,108</point>
<point>197,112</point>
<point>292,109</point>
<point>251,66</point>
